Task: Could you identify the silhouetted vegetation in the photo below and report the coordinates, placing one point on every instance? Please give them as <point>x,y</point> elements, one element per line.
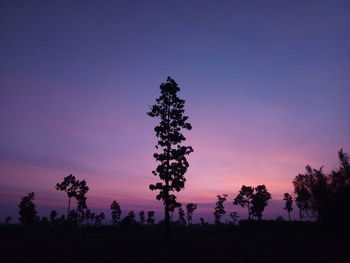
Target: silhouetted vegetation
<point>189,210</point>
<point>244,198</point>
<point>81,235</point>
<point>219,208</point>
<point>234,217</point>
<point>324,197</point>
<point>182,219</point>
<point>76,189</point>
<point>289,203</point>
<point>142,217</point>
<point>27,210</point>
<point>260,198</point>
<point>169,108</point>
<point>150,218</point>
<point>116,212</point>
<point>255,199</point>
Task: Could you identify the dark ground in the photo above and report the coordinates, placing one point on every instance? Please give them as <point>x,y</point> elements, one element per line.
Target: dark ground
<point>267,241</point>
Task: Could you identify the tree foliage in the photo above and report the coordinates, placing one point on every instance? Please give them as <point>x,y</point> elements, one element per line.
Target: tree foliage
<point>245,198</point>
<point>234,217</point>
<point>219,208</point>
<point>116,212</point>
<point>324,196</point>
<point>74,189</point>
<point>142,217</point>
<point>150,218</point>
<point>189,210</point>
<point>182,219</point>
<point>259,202</point>
<point>288,203</point>
<point>169,109</point>
<point>255,199</point>
<point>27,210</point>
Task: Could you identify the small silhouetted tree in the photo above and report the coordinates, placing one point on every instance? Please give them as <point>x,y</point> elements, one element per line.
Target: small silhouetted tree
<point>201,220</point>
<point>81,200</point>
<point>303,195</point>
<point>73,217</point>
<point>8,220</point>
<point>279,218</point>
<point>116,212</point>
<point>182,219</point>
<point>259,202</point>
<point>169,108</point>
<point>44,221</point>
<point>172,207</point>
<point>53,217</point>
<point>234,217</point>
<point>27,210</point>
<point>69,185</point>
<point>61,220</point>
<point>219,208</point>
<point>129,219</point>
<point>76,189</point>
<point>311,191</point>
<point>245,198</point>
<point>150,218</point>
<point>189,210</point>
<point>142,217</point>
<point>89,216</point>
<point>99,218</point>
<point>288,203</point>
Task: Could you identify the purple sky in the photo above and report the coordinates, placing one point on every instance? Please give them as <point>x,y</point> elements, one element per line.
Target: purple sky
<point>266,84</point>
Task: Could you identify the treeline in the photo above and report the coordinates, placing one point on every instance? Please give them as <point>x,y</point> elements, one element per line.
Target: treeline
<point>318,196</point>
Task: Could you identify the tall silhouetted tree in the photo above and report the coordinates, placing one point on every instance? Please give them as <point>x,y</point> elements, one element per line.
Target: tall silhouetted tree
<point>219,208</point>
<point>116,212</point>
<point>245,198</point>
<point>182,219</point>
<point>259,202</point>
<point>27,210</point>
<point>288,204</point>
<point>150,218</point>
<point>169,108</point>
<point>190,209</point>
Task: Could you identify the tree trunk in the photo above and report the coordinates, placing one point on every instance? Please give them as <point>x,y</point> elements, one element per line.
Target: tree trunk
<point>289,215</point>
<point>167,212</point>
<point>167,218</point>
<point>68,207</point>
<point>248,212</point>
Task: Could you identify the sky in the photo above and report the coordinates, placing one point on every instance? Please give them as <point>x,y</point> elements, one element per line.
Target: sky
<point>266,84</point>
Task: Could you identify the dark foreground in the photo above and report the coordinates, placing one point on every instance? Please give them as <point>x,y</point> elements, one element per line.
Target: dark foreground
<point>267,241</point>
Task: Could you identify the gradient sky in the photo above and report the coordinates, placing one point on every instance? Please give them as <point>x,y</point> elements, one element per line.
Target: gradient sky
<point>266,84</point>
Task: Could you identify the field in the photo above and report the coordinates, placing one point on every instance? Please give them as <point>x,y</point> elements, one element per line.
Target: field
<point>266,241</point>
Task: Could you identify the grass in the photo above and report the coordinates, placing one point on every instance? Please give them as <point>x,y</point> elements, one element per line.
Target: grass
<point>266,241</point>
